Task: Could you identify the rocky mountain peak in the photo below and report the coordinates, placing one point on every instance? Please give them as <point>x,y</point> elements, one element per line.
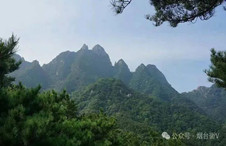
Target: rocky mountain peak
<point>141,67</point>
<point>151,66</point>
<point>35,63</point>
<point>84,47</point>
<point>99,50</point>
<point>121,62</point>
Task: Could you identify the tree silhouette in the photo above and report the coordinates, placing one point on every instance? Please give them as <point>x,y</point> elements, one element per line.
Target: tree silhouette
<point>217,71</point>
<point>7,63</point>
<point>175,11</point>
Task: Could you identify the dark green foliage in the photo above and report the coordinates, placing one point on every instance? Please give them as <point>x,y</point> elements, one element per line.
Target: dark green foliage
<point>175,11</point>
<point>7,63</point>
<point>212,100</point>
<point>217,71</point>
<point>29,117</point>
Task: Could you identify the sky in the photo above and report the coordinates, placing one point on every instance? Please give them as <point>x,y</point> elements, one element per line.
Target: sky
<point>49,27</point>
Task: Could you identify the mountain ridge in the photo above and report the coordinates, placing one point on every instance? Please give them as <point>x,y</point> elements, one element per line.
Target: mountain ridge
<point>212,100</point>
<point>116,99</point>
<point>74,70</point>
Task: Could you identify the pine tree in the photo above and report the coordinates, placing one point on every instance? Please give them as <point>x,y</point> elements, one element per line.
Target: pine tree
<point>7,63</point>
<point>175,11</point>
<point>217,71</point>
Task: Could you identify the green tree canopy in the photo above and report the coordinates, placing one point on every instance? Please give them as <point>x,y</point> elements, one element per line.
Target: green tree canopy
<point>7,63</point>
<point>217,71</point>
<point>175,11</point>
<point>28,117</point>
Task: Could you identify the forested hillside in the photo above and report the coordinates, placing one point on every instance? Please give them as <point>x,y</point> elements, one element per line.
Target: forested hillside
<point>135,111</point>
<point>142,103</point>
<point>211,100</point>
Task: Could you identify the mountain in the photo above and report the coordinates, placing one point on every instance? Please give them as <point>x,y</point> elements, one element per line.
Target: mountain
<point>139,100</point>
<point>87,67</point>
<point>149,80</point>
<point>212,100</point>
<point>128,106</point>
<point>59,68</point>
<point>31,74</point>
<point>122,71</point>
<point>74,70</point>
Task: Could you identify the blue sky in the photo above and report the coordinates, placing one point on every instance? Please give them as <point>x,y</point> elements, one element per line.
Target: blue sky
<point>49,27</point>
